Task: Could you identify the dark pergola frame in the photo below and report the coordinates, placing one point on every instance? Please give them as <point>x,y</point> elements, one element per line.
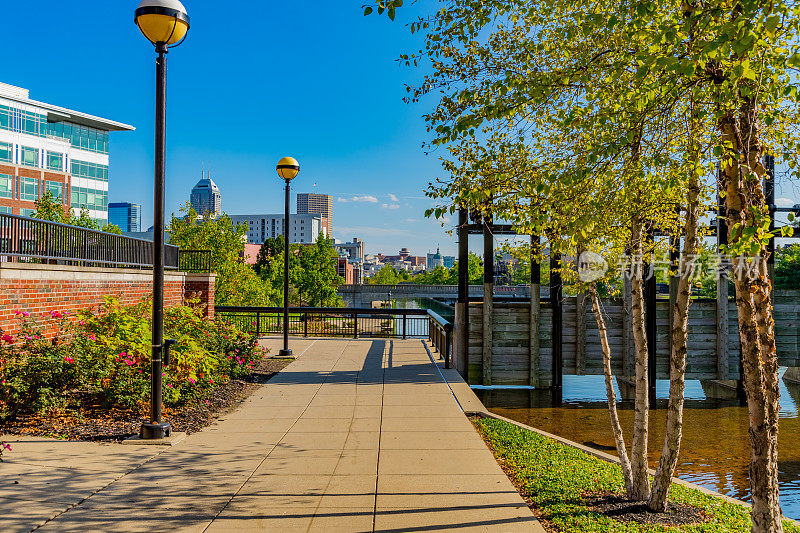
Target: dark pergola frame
<point>489,230</point>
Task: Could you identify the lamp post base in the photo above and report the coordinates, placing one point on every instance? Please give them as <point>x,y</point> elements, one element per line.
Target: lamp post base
<point>155,431</point>
<point>285,353</point>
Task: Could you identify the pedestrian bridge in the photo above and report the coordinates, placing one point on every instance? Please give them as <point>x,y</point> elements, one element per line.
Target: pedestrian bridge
<point>364,295</point>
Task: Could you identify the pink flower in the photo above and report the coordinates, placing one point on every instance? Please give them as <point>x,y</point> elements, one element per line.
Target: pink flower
<point>81,322</point>
<point>123,354</point>
<point>91,337</point>
<point>169,385</point>
<point>55,314</point>
<point>7,338</point>
<point>7,446</point>
<point>128,362</point>
<point>69,359</point>
<point>211,380</point>
<point>192,381</point>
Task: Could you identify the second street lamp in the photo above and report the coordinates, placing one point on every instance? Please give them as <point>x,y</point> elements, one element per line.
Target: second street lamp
<point>165,24</point>
<point>287,168</point>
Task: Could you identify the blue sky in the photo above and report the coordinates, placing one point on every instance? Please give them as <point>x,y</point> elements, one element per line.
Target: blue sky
<point>315,80</point>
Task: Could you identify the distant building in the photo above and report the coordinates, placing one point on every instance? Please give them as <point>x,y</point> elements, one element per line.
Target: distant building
<point>125,215</point>
<point>304,229</point>
<point>449,261</point>
<point>46,148</point>
<point>404,260</point>
<point>206,197</point>
<point>309,203</point>
<point>434,260</point>
<point>354,251</point>
<point>345,270</point>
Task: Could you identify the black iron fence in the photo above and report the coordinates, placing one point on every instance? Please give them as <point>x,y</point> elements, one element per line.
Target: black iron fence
<point>345,322</point>
<point>31,240</point>
<point>194,261</point>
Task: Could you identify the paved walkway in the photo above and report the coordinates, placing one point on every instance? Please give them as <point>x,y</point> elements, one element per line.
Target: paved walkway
<point>353,436</point>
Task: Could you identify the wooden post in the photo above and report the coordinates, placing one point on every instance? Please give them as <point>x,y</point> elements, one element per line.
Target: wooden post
<point>722,299</point>
<point>556,302</point>
<point>769,193</point>
<point>488,297</point>
<point>462,305</point>
<point>580,326</point>
<point>536,311</point>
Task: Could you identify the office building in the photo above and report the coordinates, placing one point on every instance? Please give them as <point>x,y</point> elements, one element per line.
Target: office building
<point>354,251</point>
<point>126,216</point>
<point>304,229</point>
<point>309,203</point>
<point>44,148</point>
<point>206,198</point>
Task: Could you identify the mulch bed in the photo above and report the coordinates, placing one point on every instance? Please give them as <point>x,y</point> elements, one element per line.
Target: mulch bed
<point>99,424</point>
<point>616,506</point>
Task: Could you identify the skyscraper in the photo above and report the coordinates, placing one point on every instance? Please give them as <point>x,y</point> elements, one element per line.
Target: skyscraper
<point>309,203</point>
<point>46,148</point>
<point>206,198</point>
<point>126,216</point>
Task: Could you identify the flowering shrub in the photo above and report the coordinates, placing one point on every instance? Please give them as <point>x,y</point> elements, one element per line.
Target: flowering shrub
<point>35,372</point>
<point>106,356</point>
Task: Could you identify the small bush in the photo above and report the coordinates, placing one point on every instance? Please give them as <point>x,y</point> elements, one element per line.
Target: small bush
<point>106,356</point>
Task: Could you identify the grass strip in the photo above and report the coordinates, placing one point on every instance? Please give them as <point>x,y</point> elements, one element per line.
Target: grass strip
<point>554,478</point>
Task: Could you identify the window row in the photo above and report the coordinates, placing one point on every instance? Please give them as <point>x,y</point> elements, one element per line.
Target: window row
<point>89,198</point>
<point>29,188</point>
<point>82,169</point>
<point>82,137</point>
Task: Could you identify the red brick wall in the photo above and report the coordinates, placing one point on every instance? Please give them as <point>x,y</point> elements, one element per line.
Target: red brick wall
<point>41,289</point>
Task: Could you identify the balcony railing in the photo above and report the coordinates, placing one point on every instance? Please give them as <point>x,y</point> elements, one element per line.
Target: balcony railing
<point>194,261</point>
<point>30,240</point>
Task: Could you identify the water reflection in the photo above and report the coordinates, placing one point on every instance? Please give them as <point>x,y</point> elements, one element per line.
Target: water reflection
<point>715,451</point>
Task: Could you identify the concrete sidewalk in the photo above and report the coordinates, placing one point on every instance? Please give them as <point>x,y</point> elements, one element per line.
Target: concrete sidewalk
<point>355,435</point>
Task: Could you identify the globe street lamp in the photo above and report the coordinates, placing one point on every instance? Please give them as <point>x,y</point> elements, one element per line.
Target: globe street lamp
<point>287,168</point>
<point>165,24</point>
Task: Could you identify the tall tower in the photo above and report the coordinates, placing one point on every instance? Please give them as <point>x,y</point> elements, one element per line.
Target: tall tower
<point>309,203</point>
<point>205,197</point>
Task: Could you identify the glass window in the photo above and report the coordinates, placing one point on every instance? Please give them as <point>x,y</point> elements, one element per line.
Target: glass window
<point>6,185</point>
<point>6,152</point>
<point>5,117</point>
<point>26,212</point>
<point>6,210</point>
<point>28,189</point>
<point>55,161</point>
<point>56,188</point>
<point>28,156</point>
<point>93,171</point>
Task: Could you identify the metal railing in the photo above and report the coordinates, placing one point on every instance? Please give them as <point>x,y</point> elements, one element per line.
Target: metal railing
<point>31,240</point>
<point>195,261</point>
<point>345,322</point>
<point>441,336</point>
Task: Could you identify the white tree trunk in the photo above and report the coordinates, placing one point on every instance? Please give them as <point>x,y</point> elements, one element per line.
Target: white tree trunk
<point>641,480</point>
<point>616,427</point>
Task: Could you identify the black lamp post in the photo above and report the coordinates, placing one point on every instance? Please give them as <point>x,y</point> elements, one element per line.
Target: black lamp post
<point>287,168</point>
<point>165,24</point>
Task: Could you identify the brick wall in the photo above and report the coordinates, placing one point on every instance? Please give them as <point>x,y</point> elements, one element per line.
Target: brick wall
<point>40,289</point>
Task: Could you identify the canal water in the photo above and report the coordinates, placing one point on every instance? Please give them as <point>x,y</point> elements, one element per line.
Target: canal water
<point>715,451</point>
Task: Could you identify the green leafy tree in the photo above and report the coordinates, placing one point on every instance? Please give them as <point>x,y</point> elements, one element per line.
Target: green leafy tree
<point>317,277</point>
<point>237,282</point>
<point>787,267</point>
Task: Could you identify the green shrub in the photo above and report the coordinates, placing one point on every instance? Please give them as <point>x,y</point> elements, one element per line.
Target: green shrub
<point>36,373</point>
<point>105,355</point>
